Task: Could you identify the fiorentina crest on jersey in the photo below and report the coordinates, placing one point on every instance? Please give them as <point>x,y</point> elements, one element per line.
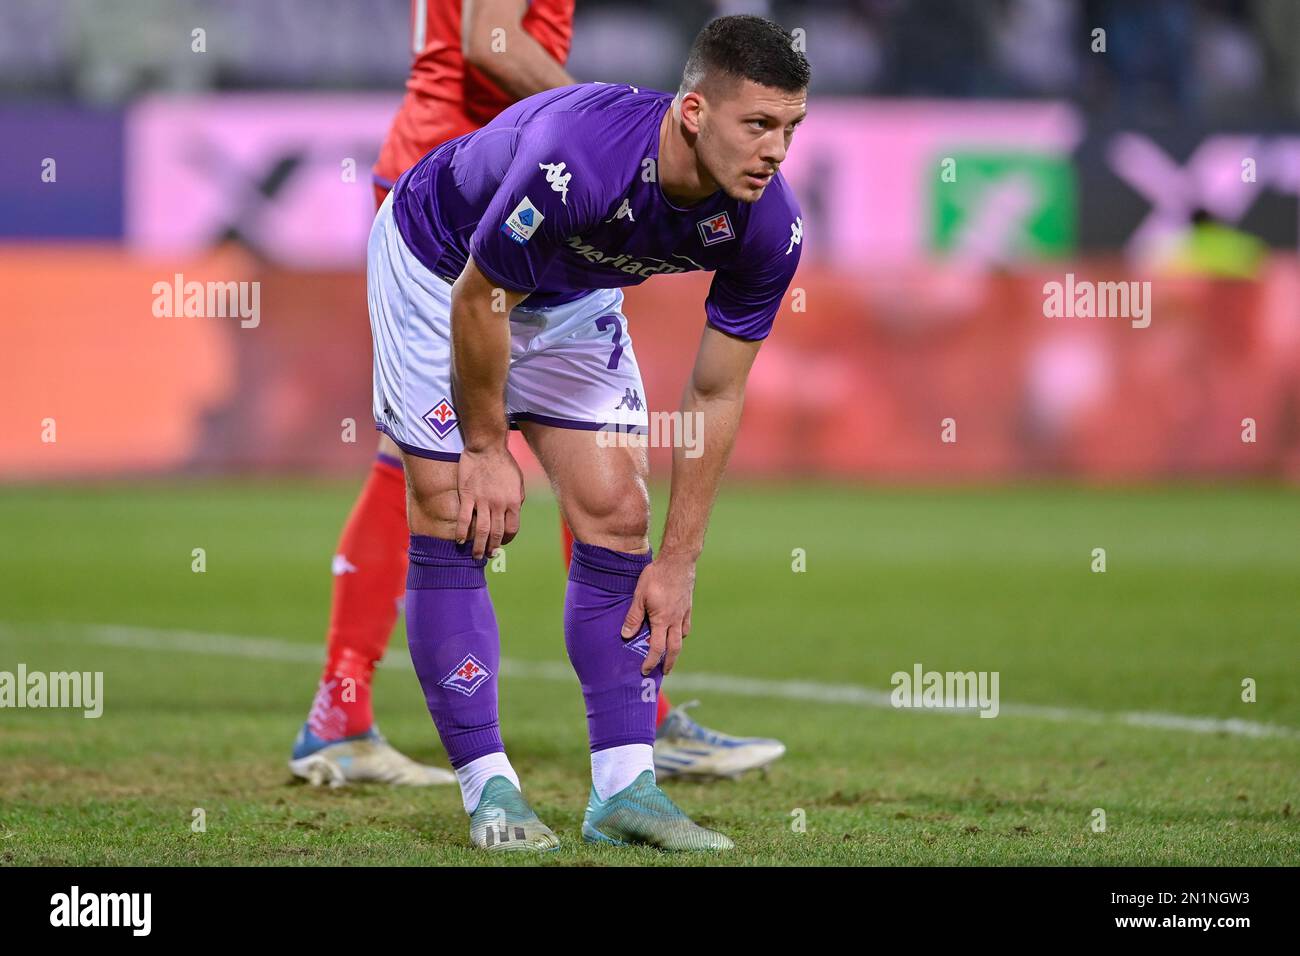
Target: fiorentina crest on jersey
<point>715,229</point>
<point>441,418</point>
<point>468,676</point>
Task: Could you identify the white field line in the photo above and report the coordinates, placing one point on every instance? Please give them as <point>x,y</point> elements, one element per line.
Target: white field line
<point>266,648</point>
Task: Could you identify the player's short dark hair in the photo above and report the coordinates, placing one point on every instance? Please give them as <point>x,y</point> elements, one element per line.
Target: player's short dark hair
<point>746,47</point>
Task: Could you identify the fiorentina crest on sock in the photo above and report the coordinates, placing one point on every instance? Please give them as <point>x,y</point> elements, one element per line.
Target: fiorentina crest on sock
<point>469,676</point>
<point>639,645</point>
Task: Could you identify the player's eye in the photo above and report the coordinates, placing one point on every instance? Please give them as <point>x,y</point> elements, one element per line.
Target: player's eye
<point>758,123</point>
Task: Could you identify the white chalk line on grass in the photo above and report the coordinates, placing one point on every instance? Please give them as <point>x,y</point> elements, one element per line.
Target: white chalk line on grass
<point>268,648</point>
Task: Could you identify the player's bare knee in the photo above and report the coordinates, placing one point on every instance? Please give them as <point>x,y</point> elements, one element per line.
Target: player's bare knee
<point>431,499</point>
<point>616,517</point>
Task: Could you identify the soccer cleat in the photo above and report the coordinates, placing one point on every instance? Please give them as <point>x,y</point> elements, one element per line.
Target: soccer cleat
<point>684,748</point>
<point>642,813</point>
<point>503,821</point>
<point>366,758</point>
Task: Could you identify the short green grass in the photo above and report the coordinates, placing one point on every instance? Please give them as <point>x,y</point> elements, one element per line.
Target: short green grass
<point>1200,592</point>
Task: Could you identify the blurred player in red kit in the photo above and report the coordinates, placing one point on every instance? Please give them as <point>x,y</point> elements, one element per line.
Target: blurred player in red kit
<point>472,59</point>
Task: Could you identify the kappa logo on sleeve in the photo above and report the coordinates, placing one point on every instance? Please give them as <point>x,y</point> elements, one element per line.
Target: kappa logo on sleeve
<point>558,179</point>
<point>523,221</point>
<point>796,234</point>
<point>715,229</point>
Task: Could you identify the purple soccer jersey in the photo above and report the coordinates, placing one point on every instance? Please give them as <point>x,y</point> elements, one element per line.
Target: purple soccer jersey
<point>559,195</point>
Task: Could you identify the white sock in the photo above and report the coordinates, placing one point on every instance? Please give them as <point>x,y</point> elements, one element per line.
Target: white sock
<point>616,767</point>
<point>475,775</point>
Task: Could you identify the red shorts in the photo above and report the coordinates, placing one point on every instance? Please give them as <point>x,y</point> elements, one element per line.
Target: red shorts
<point>421,124</point>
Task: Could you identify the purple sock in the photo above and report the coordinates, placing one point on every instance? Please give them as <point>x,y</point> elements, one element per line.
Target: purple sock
<point>452,632</point>
<point>620,704</point>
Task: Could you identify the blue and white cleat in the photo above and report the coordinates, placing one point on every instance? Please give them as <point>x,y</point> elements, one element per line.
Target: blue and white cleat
<point>643,814</point>
<point>366,758</point>
<point>504,822</point>
<point>684,748</point>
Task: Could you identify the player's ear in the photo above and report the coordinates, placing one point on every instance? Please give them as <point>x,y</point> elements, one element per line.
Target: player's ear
<point>692,108</point>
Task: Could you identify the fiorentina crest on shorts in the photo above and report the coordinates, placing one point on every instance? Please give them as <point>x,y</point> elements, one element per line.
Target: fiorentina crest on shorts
<point>468,676</point>
<point>715,229</point>
<point>441,418</point>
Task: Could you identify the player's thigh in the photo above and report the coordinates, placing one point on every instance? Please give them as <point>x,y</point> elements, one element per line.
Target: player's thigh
<point>410,331</point>
<point>600,484</point>
<point>432,502</point>
<point>388,447</point>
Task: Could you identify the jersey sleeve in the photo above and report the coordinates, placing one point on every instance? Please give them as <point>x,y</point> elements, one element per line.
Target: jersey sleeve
<point>548,193</point>
<point>746,295</point>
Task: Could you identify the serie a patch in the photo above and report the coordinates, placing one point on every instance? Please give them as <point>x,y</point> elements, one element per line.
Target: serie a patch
<point>522,221</point>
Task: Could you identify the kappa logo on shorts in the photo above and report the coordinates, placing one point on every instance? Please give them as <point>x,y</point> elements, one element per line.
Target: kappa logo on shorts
<point>639,645</point>
<point>469,676</point>
<point>441,418</point>
<point>631,401</point>
<point>715,229</point>
<point>523,221</point>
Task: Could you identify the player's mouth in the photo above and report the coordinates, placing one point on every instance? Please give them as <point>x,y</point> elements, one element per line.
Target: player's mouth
<point>759,179</point>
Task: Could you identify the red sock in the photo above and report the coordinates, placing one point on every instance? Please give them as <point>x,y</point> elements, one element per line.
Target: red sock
<point>567,537</point>
<point>664,707</point>
<point>369,583</point>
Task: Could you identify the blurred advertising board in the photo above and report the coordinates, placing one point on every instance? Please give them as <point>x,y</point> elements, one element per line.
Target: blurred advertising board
<point>289,176</point>
<point>930,373</point>
<point>61,173</point>
<point>881,181</point>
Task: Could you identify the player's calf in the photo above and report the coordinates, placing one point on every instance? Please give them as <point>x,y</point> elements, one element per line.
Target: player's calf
<point>455,647</point>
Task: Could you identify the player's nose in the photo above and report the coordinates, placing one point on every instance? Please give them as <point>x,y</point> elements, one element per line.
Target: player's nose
<point>773,152</point>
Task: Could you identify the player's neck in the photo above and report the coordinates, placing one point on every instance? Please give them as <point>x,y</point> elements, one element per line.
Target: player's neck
<point>681,178</point>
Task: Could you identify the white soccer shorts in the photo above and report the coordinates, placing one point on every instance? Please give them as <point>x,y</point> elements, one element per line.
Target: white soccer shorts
<point>571,366</point>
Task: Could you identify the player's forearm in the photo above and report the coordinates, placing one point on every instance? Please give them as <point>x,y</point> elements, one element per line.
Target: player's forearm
<point>480,359</point>
<point>518,63</point>
<point>695,480</point>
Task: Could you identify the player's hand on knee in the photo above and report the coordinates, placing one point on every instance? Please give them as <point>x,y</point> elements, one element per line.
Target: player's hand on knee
<point>512,526</point>
<point>491,489</point>
<point>672,646</point>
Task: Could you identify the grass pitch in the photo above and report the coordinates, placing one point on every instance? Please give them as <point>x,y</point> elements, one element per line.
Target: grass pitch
<point>1199,593</point>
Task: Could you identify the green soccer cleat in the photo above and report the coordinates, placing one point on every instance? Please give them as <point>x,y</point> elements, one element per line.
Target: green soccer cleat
<point>503,821</point>
<point>642,813</point>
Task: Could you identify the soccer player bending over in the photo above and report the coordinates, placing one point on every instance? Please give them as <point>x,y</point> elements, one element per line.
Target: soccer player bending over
<point>494,280</point>
<point>460,79</point>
